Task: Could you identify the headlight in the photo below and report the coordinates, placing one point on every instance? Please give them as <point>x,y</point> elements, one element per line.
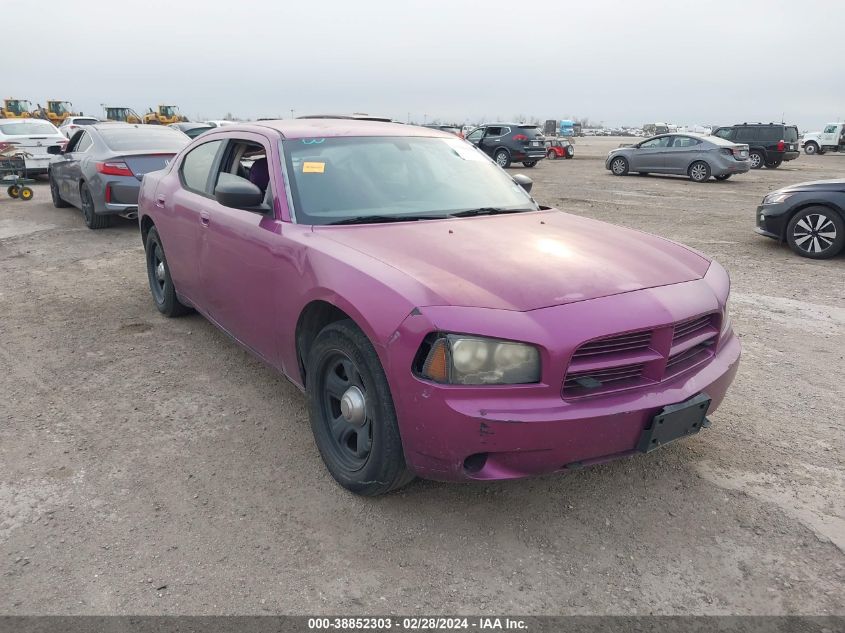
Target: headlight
<point>776,198</point>
<point>471,360</point>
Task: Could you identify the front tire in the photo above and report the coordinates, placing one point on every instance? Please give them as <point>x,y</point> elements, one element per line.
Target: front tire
<point>352,414</point>
<point>699,171</point>
<point>14,191</point>
<point>158,274</point>
<point>774,164</point>
<point>502,158</point>
<point>551,154</point>
<point>811,148</point>
<point>816,232</point>
<point>93,220</point>
<point>723,177</point>
<point>756,159</point>
<point>58,202</point>
<point>619,166</point>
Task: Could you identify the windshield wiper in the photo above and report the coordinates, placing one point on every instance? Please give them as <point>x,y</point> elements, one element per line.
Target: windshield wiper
<point>485,211</point>
<point>379,219</point>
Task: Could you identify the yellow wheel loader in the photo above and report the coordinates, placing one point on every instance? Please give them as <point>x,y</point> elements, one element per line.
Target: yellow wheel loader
<point>164,115</point>
<point>55,112</point>
<point>121,113</point>
<point>16,109</point>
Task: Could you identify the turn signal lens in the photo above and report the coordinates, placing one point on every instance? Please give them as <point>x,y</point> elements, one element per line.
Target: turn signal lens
<point>436,366</point>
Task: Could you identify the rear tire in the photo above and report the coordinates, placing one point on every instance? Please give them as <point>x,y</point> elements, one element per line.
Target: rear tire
<point>502,158</point>
<point>158,274</point>
<point>811,148</point>
<point>699,171</point>
<point>530,163</point>
<point>756,159</point>
<point>55,195</point>
<point>619,166</point>
<point>26,194</point>
<point>93,220</point>
<point>551,155</point>
<point>723,177</point>
<point>774,165</point>
<point>362,448</point>
<point>816,232</point>
<point>14,191</point>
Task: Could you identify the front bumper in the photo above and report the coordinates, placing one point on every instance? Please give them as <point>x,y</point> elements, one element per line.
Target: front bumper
<point>771,220</point>
<point>455,433</point>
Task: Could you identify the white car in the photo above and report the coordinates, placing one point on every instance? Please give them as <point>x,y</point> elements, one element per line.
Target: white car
<point>33,136</point>
<point>71,124</point>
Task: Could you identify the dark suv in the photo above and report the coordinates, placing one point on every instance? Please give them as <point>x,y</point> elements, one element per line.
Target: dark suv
<point>769,144</point>
<point>510,143</point>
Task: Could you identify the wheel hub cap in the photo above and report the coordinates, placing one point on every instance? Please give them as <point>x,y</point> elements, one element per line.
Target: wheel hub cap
<point>353,406</point>
<point>160,271</point>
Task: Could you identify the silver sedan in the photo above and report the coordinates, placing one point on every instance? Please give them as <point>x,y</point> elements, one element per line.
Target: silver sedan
<point>693,155</point>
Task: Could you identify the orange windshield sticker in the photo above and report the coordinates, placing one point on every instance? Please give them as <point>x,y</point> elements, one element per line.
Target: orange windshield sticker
<point>313,168</point>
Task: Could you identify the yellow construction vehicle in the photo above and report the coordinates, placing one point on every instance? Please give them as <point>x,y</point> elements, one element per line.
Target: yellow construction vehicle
<point>164,115</point>
<point>16,109</point>
<point>55,112</point>
<point>121,113</point>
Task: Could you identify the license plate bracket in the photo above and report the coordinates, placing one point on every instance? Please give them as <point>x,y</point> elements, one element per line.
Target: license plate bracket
<point>676,421</point>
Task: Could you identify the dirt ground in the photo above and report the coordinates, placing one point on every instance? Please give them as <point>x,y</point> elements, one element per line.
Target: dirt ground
<point>152,466</point>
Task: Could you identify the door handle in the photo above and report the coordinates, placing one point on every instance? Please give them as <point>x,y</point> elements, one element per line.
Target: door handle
<point>160,202</point>
<point>204,219</point>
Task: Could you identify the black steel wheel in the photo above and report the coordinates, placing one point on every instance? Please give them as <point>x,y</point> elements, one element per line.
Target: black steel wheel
<point>352,414</point>
<point>158,274</point>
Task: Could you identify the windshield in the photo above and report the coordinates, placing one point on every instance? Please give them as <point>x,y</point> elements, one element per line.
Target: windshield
<point>28,127</point>
<point>168,110</point>
<point>336,179</point>
<point>59,107</point>
<point>152,137</point>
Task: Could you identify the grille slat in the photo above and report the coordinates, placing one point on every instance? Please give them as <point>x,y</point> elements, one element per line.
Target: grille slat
<point>623,361</point>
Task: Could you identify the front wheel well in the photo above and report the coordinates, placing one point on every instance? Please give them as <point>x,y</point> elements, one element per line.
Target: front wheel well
<point>313,318</point>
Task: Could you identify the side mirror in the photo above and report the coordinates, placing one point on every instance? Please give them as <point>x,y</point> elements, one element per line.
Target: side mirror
<point>240,194</point>
<point>524,181</point>
<point>54,149</point>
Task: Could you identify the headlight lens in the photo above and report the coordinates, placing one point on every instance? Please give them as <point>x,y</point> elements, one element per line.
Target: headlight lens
<point>472,360</point>
<point>776,198</point>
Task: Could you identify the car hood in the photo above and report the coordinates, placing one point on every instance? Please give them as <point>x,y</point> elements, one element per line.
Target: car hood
<point>816,185</point>
<point>522,261</point>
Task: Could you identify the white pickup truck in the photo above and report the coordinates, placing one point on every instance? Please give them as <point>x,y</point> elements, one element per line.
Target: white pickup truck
<point>832,139</point>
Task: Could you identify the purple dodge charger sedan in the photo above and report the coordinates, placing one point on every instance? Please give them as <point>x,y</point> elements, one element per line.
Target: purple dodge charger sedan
<point>441,322</point>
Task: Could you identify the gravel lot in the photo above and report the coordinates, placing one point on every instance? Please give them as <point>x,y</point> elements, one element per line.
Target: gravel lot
<point>152,466</point>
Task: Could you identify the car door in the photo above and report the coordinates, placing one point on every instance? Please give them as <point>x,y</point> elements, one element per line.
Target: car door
<point>681,153</point>
<point>829,136</point>
<point>475,136</point>
<point>70,169</point>
<point>238,268</point>
<point>492,139</point>
<point>185,208</point>
<point>650,154</point>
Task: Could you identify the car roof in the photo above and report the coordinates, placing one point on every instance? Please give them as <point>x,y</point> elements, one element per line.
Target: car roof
<point>328,127</point>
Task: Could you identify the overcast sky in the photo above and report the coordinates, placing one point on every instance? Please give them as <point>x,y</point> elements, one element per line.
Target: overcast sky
<point>620,62</point>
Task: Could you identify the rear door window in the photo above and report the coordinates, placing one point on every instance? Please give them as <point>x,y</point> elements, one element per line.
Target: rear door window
<point>197,165</point>
<point>685,141</point>
<point>494,131</point>
<point>84,143</point>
